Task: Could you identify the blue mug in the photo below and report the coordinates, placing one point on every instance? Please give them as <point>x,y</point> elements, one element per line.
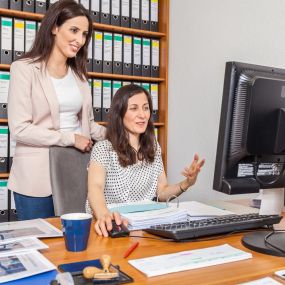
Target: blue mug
<point>76,230</point>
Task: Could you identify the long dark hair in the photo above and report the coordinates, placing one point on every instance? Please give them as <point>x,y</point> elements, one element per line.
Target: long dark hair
<point>56,15</point>
<point>118,135</point>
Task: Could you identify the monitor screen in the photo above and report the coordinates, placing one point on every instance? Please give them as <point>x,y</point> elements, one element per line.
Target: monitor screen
<point>251,142</point>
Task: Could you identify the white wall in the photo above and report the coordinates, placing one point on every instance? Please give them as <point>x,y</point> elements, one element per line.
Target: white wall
<point>204,34</point>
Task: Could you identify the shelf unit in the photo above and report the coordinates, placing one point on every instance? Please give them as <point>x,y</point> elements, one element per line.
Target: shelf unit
<point>162,35</point>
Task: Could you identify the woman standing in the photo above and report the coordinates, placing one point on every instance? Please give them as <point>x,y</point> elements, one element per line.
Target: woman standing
<point>49,104</point>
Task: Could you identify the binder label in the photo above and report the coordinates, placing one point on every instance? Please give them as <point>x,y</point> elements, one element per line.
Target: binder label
<point>125,8</point>
<point>3,195</point>
<point>145,10</point>
<point>19,35</point>
<point>155,53</point>
<point>115,7</point>
<point>4,86</point>
<point>108,37</point>
<point>146,51</point>
<point>30,34</point>
<point>154,10</point>
<point>116,85</point>
<point>97,89</point>
<point>3,141</point>
<point>118,47</point>
<point>106,94</point>
<point>127,49</point>
<point>146,86</point>
<point>6,32</point>
<point>95,5</point>
<point>136,9</point>
<point>154,96</point>
<point>98,38</point>
<point>105,6</point>
<point>137,50</point>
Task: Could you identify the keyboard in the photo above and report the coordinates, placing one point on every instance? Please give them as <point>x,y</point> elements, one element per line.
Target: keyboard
<point>212,226</point>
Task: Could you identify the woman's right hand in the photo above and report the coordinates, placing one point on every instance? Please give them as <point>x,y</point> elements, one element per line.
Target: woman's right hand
<point>103,224</point>
<point>83,143</point>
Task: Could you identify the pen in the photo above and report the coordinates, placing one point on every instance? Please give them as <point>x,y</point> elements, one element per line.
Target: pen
<point>131,249</point>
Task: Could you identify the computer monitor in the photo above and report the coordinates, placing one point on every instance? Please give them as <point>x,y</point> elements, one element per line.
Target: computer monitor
<point>251,142</point>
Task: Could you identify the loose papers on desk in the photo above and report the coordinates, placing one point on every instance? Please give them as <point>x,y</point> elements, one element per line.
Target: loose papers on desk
<point>22,265</point>
<point>263,281</point>
<point>191,259</point>
<point>30,228</point>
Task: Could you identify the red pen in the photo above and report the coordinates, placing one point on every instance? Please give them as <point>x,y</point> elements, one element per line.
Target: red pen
<point>131,249</point>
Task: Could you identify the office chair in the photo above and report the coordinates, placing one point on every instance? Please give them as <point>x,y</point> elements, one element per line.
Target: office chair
<point>68,173</point>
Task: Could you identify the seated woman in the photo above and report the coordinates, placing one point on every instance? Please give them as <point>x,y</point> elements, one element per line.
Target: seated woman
<point>127,166</point>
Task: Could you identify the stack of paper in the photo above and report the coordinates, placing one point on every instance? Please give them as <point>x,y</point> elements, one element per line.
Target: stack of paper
<point>143,220</point>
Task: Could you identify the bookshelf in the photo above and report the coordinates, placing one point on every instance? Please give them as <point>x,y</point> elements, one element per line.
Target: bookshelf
<point>162,80</point>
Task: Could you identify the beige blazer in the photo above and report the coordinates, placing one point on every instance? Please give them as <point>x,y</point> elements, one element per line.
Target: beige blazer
<point>33,118</point>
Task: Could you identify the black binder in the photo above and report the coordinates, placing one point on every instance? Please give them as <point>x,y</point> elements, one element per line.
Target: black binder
<point>146,57</point>
<point>40,6</point>
<point>6,40</point>
<point>125,13</point>
<point>127,55</point>
<point>97,99</point>
<point>105,12</point>
<point>29,6</point>
<point>16,5</point>
<point>95,8</point>
<point>4,217</point>
<point>117,53</point>
<point>135,14</point>
<point>115,12</point>
<point>4,83</point>
<point>145,14</point>
<point>154,15</point>
<point>107,52</point>
<point>155,58</point>
<point>97,51</point>
<point>137,56</point>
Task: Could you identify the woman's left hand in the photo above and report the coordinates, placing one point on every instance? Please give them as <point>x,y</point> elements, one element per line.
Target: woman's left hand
<point>191,172</point>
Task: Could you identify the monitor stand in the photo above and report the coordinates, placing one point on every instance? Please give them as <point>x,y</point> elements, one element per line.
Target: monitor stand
<point>271,204</point>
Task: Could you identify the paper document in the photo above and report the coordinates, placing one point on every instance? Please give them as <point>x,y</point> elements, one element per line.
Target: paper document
<point>263,281</point>
<point>30,228</point>
<point>8,247</point>
<point>22,265</point>
<point>143,220</point>
<point>197,209</point>
<point>133,207</point>
<point>191,259</point>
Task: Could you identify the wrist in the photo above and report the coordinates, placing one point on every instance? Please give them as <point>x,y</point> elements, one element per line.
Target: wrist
<point>183,189</point>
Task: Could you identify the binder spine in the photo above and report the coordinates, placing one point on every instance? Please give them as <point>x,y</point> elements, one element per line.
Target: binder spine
<point>18,38</point>
<point>95,6</point>
<point>137,56</point>
<point>4,87</point>
<point>117,53</point>
<point>127,55</point>
<point>40,6</point>
<point>125,13</point>
<point>145,11</point>
<point>154,58</point>
<point>154,15</point>
<point>97,99</point>
<point>107,52</point>
<point>15,4</point>
<point>98,51</point>
<point>115,12</point>
<point>29,6</point>
<point>135,14</point>
<point>6,40</point>
<point>105,12</point>
<point>106,99</point>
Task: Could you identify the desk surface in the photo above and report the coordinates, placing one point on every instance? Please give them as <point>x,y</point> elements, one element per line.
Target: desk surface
<point>232,273</point>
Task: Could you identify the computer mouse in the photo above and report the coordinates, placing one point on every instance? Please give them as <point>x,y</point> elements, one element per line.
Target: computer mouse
<point>118,230</point>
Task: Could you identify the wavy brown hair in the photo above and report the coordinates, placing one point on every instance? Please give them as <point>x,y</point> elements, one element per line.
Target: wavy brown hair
<point>56,15</point>
<point>119,136</point>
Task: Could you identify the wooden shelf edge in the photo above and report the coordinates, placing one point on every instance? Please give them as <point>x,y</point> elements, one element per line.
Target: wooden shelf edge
<point>97,26</point>
<point>108,75</point>
<point>4,175</point>
<point>4,121</point>
<point>125,77</point>
<point>124,30</point>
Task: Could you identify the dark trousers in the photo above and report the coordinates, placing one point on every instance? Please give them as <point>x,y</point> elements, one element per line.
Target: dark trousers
<point>33,207</point>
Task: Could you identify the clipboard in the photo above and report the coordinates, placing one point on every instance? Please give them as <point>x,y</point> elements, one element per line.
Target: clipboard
<point>76,269</point>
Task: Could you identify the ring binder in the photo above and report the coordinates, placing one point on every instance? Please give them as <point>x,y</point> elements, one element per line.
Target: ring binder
<point>169,199</point>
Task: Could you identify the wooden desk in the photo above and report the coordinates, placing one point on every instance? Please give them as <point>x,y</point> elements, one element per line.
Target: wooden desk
<point>232,273</point>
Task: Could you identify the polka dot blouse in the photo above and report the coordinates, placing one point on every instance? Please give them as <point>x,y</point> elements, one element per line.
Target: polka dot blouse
<point>135,182</point>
